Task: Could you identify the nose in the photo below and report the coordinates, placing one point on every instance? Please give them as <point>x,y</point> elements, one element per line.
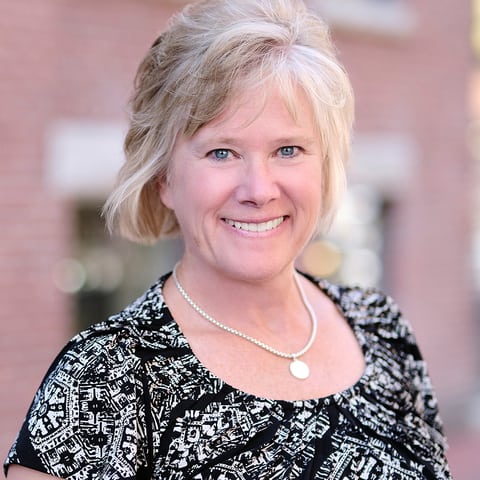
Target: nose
<point>259,184</point>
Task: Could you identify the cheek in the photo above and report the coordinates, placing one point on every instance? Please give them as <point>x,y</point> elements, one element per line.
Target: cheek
<point>309,186</point>
<point>312,197</point>
<point>174,188</point>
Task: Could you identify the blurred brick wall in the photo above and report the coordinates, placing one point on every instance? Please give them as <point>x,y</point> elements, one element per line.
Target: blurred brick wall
<point>58,59</point>
<point>35,227</point>
<point>418,85</point>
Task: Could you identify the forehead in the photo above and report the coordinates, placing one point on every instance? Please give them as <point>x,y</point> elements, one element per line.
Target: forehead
<point>289,109</point>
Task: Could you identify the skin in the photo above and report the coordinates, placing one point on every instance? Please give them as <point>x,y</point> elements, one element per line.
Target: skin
<point>17,472</point>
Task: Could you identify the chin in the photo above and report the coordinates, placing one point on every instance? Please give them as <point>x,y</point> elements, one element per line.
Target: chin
<point>256,271</point>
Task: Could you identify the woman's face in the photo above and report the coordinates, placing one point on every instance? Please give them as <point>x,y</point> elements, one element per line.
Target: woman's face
<point>246,188</point>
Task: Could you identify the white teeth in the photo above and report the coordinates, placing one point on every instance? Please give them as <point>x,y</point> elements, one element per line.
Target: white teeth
<point>256,227</point>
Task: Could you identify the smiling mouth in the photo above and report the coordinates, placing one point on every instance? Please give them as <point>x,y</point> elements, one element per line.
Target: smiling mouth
<point>255,227</point>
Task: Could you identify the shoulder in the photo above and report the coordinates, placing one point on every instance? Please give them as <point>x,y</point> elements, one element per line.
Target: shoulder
<point>374,315</point>
<point>146,321</point>
<point>92,396</point>
<point>394,359</point>
<point>109,350</point>
<point>356,299</point>
<point>370,303</point>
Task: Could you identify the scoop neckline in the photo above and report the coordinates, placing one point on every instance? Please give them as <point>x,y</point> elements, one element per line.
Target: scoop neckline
<point>211,377</point>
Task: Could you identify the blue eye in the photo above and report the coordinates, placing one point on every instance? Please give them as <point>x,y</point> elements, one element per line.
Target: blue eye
<point>220,154</point>
<point>288,151</point>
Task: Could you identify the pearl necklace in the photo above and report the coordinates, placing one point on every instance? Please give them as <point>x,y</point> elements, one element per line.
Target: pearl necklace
<point>298,368</point>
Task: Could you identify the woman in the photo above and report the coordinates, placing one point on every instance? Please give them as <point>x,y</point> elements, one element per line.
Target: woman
<point>236,366</point>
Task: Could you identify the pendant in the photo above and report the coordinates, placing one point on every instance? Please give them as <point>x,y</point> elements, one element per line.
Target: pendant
<point>299,369</point>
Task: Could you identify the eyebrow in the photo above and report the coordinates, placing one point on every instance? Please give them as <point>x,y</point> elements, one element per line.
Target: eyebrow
<point>294,140</point>
<point>280,141</point>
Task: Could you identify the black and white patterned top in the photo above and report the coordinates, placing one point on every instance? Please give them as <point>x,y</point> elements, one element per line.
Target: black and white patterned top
<point>128,399</point>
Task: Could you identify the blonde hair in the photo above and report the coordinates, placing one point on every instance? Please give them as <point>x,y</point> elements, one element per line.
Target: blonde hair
<point>211,51</point>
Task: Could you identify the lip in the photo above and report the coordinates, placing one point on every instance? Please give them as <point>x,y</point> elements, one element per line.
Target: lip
<point>255,226</point>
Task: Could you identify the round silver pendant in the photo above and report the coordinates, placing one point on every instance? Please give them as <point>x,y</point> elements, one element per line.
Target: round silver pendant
<point>299,369</point>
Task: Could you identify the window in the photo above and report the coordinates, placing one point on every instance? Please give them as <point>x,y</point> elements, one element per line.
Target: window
<point>104,273</point>
<point>386,17</point>
<point>353,251</point>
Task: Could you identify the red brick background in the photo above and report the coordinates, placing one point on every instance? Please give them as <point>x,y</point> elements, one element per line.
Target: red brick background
<point>418,85</point>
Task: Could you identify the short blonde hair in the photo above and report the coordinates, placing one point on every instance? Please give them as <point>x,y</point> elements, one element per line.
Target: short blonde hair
<point>211,51</point>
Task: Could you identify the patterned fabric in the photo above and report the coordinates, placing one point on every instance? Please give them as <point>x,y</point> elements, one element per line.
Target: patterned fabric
<point>128,399</point>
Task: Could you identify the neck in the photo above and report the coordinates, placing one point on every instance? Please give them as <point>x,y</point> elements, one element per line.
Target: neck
<point>263,300</point>
<point>236,291</point>
<point>298,368</point>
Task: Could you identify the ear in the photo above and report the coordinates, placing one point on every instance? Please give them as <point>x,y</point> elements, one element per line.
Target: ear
<point>165,192</point>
